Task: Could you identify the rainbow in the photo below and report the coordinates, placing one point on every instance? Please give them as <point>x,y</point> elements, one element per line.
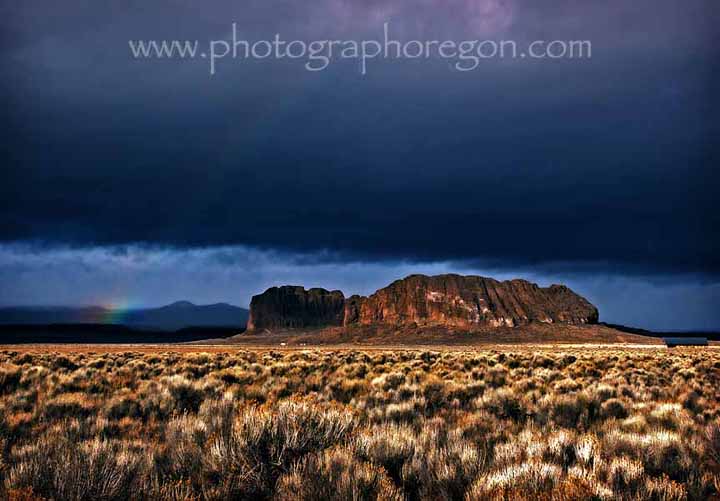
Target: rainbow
<point>116,312</point>
<point>108,313</point>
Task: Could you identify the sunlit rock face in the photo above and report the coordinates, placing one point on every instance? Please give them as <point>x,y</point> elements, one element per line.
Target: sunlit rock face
<point>448,300</point>
<point>468,301</point>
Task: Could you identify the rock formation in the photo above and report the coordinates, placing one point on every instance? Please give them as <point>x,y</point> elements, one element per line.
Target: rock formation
<point>448,300</point>
<point>294,307</point>
<point>467,301</point>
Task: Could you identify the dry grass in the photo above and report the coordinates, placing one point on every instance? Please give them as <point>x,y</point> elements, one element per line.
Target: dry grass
<point>504,423</point>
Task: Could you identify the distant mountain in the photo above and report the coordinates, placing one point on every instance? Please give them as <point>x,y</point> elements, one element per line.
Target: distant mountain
<point>172,317</point>
<point>55,315</point>
<point>184,314</point>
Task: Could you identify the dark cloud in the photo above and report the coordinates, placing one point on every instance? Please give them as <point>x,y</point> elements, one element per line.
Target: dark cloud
<point>519,164</point>
<point>153,276</point>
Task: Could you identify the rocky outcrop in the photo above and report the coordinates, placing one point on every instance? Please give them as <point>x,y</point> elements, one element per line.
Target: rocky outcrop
<point>353,307</point>
<point>447,300</point>
<point>294,307</point>
<point>467,301</point>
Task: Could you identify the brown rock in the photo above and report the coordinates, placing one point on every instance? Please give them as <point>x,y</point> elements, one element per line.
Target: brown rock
<point>443,300</point>
<point>467,301</point>
<point>294,307</point>
<point>353,305</point>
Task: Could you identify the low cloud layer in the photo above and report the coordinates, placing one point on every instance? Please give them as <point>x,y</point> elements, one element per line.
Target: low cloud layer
<point>143,276</point>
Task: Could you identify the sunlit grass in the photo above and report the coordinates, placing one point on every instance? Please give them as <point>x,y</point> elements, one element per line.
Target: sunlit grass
<point>348,424</point>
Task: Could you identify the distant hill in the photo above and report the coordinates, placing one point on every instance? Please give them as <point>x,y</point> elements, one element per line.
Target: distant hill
<point>172,317</point>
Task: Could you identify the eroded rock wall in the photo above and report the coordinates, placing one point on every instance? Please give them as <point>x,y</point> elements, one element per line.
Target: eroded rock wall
<point>290,307</point>
<point>450,300</point>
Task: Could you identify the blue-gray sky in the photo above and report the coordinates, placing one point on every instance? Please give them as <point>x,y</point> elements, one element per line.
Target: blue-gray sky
<point>601,173</point>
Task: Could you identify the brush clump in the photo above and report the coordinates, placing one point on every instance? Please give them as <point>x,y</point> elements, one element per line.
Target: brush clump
<point>497,423</point>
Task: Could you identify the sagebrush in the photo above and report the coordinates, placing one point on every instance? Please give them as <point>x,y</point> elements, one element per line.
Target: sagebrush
<point>353,424</point>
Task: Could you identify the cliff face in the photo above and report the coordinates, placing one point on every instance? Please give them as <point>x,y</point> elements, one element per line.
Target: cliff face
<point>294,307</point>
<point>448,300</point>
<point>353,306</point>
<point>467,301</point>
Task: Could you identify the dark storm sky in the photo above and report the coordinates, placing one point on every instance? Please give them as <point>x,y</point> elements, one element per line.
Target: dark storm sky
<point>144,180</point>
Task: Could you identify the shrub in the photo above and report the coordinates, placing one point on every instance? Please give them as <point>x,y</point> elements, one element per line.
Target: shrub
<point>123,406</point>
<point>336,475</point>
<point>63,362</point>
<point>10,376</point>
<point>662,452</point>
<point>433,389</point>
<point>668,415</point>
<point>389,381</point>
<point>712,434</point>
<point>389,446</point>
<point>186,394</point>
<point>625,474</point>
<point>663,489</point>
<point>68,405</point>
<point>566,411</point>
<point>530,481</point>
<point>613,408</point>
<point>441,466</point>
<point>561,448</point>
<point>56,467</point>
<point>264,443</point>
<point>503,403</point>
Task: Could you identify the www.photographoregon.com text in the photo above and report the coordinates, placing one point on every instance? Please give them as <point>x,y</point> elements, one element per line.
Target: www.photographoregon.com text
<point>317,55</point>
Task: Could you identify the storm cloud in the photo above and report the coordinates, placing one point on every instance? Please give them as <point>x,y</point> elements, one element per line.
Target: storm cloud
<point>605,166</point>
